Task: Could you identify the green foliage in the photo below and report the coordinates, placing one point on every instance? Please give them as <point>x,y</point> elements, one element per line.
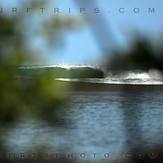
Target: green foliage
<point>39,96</point>
<point>36,96</point>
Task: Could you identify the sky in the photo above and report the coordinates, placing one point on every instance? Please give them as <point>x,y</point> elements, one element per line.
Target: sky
<point>83,46</point>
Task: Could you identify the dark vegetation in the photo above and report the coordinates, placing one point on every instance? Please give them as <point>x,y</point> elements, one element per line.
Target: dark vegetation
<point>141,55</point>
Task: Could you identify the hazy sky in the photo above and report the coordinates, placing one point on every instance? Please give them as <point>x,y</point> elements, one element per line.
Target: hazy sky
<point>81,46</point>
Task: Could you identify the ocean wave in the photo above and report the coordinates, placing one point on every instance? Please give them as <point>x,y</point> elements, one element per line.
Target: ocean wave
<point>65,66</point>
<point>152,77</point>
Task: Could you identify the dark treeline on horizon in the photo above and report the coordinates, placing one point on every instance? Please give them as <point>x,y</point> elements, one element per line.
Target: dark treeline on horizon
<point>142,55</point>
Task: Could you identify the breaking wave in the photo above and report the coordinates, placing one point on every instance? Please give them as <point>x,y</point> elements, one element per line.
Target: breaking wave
<point>151,77</point>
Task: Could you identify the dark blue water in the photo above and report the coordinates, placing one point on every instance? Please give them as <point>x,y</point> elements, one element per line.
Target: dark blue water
<point>97,122</point>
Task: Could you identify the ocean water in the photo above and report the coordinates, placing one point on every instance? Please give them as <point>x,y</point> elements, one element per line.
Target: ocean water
<point>98,125</point>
